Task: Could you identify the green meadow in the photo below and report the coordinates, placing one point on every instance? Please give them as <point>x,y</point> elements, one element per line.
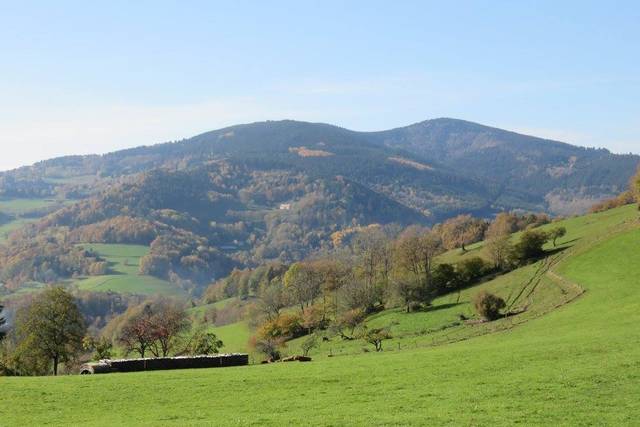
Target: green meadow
<point>123,274</point>
<point>571,358</point>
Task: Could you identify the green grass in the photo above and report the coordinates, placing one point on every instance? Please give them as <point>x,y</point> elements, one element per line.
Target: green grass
<point>577,228</point>
<point>124,278</point>
<point>579,364</point>
<point>19,207</point>
<point>234,336</point>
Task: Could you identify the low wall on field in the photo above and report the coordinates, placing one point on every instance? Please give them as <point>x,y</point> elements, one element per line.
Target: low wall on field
<point>165,363</point>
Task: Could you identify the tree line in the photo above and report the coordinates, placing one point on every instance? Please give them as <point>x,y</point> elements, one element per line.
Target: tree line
<point>50,331</point>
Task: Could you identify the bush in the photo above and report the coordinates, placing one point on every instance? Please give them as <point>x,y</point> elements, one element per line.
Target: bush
<point>472,269</point>
<point>488,305</point>
<point>287,326</point>
<point>530,246</point>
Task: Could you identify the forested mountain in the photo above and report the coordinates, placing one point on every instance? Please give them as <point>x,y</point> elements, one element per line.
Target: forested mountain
<point>278,190</point>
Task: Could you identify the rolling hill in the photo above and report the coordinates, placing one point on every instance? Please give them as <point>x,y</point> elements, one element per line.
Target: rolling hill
<point>575,364</point>
<point>247,194</point>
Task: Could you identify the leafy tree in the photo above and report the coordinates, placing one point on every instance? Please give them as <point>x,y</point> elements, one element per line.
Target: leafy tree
<point>410,292</point>
<point>375,336</point>
<point>203,342</point>
<point>155,326</point>
<point>446,278</point>
<point>471,269</point>
<point>169,321</point>
<point>51,327</point>
<point>530,245</point>
<point>102,347</point>
<point>557,233</point>
<point>136,333</point>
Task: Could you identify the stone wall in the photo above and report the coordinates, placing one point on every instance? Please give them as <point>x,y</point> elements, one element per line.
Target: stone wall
<point>165,363</point>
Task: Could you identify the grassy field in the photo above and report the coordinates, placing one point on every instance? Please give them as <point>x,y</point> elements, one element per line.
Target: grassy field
<point>124,278</point>
<point>235,336</point>
<point>578,364</point>
<point>19,208</point>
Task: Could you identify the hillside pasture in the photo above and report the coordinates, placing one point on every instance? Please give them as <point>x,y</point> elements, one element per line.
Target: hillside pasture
<point>577,365</point>
<point>123,274</point>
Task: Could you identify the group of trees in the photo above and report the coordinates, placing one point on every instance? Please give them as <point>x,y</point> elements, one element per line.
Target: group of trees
<point>380,267</point>
<point>45,258</point>
<point>628,197</point>
<point>50,330</point>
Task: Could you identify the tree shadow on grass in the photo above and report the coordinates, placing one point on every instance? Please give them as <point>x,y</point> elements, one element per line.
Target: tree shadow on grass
<point>442,306</point>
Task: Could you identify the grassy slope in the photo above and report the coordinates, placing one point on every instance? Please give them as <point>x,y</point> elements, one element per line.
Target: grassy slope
<point>235,336</point>
<point>579,365</point>
<point>577,228</point>
<point>20,207</point>
<point>124,278</point>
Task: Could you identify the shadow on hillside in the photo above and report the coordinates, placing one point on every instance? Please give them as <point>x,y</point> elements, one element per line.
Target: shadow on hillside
<point>442,306</point>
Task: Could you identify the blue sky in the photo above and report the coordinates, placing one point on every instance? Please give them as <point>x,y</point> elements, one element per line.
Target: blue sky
<point>76,77</point>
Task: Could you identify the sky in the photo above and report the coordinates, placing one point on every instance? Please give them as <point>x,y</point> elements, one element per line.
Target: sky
<point>82,77</point>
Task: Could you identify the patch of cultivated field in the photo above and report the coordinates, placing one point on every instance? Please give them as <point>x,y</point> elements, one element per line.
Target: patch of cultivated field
<point>123,274</point>
<point>579,364</point>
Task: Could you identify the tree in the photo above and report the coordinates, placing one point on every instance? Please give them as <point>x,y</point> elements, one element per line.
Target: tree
<point>102,347</point>
<point>272,299</point>
<point>635,185</point>
<point>155,326</point>
<point>461,231</point>
<point>557,233</point>
<point>309,344</point>
<point>136,333</point>
<point>268,346</point>
<point>471,269</point>
<point>504,224</point>
<point>374,257</point>
<point>375,336</point>
<point>498,249</point>
<point>51,327</point>
<point>348,321</point>
<point>3,321</point>
<point>169,320</point>
<point>446,278</point>
<point>416,249</point>
<point>303,281</point>
<point>409,292</point>
<point>203,342</point>
<point>530,245</point>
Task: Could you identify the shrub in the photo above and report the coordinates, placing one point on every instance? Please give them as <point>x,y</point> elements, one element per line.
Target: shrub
<point>287,326</point>
<point>472,269</point>
<point>488,305</point>
<point>530,246</point>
